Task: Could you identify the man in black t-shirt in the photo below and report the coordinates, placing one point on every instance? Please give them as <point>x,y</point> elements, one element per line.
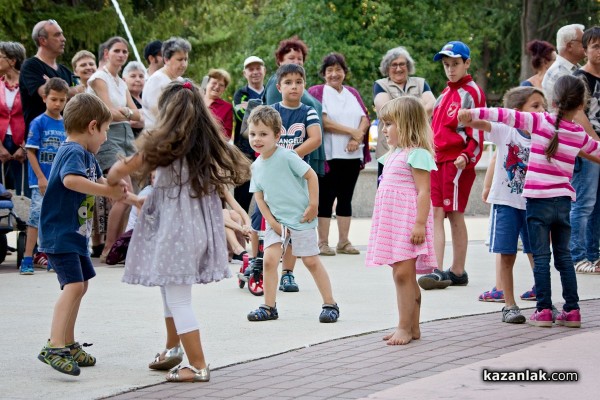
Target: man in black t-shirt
<point>35,71</point>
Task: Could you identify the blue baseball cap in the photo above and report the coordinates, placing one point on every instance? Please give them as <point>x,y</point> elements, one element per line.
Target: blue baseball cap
<point>453,49</point>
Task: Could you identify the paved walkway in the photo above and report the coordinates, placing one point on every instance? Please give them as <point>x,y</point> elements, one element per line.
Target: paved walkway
<point>346,359</point>
<point>451,355</point>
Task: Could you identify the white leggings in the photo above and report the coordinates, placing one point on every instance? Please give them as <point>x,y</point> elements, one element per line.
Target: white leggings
<point>177,302</point>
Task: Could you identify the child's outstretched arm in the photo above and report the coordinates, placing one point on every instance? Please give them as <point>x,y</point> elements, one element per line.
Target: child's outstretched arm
<point>422,180</point>
<point>517,119</point>
<point>81,184</point>
<point>313,196</point>
<point>125,167</point>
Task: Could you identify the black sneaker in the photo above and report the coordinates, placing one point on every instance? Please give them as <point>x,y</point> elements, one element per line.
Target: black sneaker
<point>435,280</point>
<point>462,280</point>
<point>239,257</point>
<point>442,279</point>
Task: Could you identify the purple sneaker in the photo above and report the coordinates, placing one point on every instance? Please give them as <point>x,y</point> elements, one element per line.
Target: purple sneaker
<point>541,318</point>
<point>529,295</point>
<point>571,319</point>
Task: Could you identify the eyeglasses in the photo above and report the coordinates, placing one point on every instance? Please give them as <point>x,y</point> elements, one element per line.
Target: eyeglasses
<point>398,65</point>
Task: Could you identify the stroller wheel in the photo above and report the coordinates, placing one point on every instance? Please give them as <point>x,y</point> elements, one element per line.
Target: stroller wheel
<point>255,286</point>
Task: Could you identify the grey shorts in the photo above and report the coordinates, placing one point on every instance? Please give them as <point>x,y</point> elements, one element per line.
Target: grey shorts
<point>304,243</point>
<point>119,143</point>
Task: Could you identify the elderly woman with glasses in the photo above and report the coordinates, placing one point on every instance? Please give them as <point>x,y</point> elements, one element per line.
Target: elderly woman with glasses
<point>398,67</point>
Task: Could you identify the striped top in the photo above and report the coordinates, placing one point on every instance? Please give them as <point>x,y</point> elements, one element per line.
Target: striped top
<point>545,178</point>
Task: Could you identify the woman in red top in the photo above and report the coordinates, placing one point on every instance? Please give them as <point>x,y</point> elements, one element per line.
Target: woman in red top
<point>12,124</point>
<point>218,80</point>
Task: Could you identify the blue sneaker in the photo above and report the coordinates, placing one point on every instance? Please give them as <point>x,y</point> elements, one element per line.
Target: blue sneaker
<point>26,266</point>
<point>288,282</point>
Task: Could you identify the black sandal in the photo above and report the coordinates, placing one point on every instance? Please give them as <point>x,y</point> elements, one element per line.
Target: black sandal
<point>330,313</point>
<point>263,313</point>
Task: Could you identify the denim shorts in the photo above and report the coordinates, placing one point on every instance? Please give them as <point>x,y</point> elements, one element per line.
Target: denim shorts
<point>71,267</point>
<point>508,223</point>
<point>36,208</point>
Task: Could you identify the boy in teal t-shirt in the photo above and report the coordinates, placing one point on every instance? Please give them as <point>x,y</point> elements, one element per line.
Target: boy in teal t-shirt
<point>286,192</point>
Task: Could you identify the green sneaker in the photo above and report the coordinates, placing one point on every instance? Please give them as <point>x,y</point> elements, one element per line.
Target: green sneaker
<point>60,359</point>
<point>80,356</point>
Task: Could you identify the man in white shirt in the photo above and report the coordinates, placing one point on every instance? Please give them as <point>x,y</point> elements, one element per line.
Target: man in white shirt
<point>570,53</point>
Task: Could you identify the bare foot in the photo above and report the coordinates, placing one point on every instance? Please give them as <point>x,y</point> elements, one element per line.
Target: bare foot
<point>416,333</point>
<point>399,337</point>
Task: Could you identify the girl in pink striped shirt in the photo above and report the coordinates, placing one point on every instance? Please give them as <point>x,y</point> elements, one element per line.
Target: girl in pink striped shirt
<point>555,143</point>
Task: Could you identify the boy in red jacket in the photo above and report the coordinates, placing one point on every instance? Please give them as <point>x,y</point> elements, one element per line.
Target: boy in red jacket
<point>457,151</point>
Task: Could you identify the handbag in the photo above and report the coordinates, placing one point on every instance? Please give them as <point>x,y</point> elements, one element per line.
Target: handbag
<point>21,203</point>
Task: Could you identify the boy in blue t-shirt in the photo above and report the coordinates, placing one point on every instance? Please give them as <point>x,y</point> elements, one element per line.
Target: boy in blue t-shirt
<point>301,132</point>
<point>66,222</point>
<point>286,191</point>
<point>46,134</point>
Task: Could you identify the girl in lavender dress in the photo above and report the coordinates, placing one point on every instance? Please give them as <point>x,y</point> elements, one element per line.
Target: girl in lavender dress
<point>179,237</point>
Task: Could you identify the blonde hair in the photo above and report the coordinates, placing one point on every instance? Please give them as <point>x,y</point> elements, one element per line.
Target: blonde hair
<point>82,109</point>
<point>411,121</point>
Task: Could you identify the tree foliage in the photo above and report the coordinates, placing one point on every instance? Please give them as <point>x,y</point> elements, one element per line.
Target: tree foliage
<point>223,33</point>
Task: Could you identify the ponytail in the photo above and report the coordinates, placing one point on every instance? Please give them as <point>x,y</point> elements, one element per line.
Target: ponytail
<point>570,92</point>
<point>553,145</point>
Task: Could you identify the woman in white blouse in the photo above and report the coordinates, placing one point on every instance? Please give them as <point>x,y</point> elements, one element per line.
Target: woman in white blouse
<point>112,90</point>
<point>345,123</point>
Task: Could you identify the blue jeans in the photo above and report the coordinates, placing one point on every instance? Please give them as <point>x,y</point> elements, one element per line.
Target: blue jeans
<point>585,212</point>
<point>548,219</point>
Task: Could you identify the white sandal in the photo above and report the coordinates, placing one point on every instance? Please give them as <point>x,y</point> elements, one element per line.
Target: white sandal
<point>200,375</point>
<point>586,267</point>
<point>173,357</point>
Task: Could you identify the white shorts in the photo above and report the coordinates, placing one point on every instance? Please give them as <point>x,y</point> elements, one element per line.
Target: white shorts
<point>304,243</point>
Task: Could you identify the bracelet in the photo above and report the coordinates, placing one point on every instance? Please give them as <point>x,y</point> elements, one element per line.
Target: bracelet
<point>129,113</point>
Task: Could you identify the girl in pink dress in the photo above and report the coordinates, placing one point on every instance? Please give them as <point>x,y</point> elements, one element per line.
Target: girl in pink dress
<point>402,227</point>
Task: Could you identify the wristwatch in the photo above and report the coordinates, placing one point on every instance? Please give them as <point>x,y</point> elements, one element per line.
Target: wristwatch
<point>129,113</point>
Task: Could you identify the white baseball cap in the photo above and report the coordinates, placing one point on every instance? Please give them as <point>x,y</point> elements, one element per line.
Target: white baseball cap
<point>253,59</point>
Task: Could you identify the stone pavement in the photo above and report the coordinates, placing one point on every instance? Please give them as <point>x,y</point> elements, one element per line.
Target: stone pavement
<point>450,356</point>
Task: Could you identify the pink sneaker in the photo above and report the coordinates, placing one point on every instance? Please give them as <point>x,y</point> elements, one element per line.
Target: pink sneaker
<point>541,318</point>
<point>571,319</point>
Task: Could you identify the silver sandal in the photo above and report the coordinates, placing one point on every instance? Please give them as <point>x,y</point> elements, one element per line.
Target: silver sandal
<point>200,375</point>
<point>173,357</point>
